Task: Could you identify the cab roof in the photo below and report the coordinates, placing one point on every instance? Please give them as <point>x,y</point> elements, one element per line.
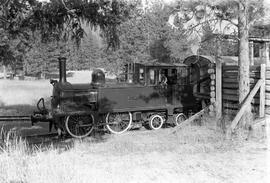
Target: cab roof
<point>159,64</point>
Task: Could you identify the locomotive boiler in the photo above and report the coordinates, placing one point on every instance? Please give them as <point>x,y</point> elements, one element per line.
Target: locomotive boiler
<point>151,95</point>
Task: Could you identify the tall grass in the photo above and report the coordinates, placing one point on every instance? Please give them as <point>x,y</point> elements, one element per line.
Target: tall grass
<point>11,142</point>
<point>138,156</point>
<point>13,157</point>
<point>21,162</point>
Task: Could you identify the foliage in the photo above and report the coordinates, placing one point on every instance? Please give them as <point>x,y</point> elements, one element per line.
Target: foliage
<point>142,32</point>
<point>87,55</point>
<point>209,43</point>
<point>6,54</point>
<point>43,56</point>
<point>205,19</point>
<point>21,21</point>
<point>228,48</point>
<point>14,39</point>
<point>60,19</point>
<point>147,36</point>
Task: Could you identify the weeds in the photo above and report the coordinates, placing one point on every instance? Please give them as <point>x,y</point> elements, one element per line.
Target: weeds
<point>135,153</point>
<point>11,142</point>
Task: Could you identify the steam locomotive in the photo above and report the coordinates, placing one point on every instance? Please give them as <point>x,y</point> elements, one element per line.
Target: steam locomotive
<point>138,98</point>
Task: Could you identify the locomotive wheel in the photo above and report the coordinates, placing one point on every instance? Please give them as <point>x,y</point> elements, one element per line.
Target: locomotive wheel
<point>179,118</point>
<point>79,126</point>
<point>118,123</point>
<point>156,121</point>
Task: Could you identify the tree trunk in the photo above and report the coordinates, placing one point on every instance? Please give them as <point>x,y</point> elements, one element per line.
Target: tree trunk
<point>5,71</point>
<point>244,87</point>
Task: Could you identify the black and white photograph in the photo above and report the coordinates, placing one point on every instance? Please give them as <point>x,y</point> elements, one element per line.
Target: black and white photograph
<point>134,91</point>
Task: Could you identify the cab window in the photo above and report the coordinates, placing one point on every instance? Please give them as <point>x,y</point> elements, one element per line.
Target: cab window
<point>183,76</point>
<point>141,75</point>
<point>173,77</point>
<point>152,78</point>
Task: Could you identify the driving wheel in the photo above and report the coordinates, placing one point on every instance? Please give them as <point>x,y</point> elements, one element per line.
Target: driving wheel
<point>118,123</point>
<point>179,118</point>
<point>79,126</point>
<point>155,122</point>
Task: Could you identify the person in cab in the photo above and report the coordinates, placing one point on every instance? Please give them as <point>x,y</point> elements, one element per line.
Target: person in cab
<point>163,79</point>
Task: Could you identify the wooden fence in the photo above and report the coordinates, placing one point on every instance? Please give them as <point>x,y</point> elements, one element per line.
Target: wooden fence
<point>230,86</point>
<point>267,90</point>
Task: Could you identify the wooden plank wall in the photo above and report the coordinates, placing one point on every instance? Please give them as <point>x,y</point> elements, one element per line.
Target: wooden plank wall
<point>230,85</point>
<point>230,89</point>
<point>267,90</point>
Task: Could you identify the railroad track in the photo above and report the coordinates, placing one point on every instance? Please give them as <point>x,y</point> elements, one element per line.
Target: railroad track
<point>15,118</point>
<point>32,139</point>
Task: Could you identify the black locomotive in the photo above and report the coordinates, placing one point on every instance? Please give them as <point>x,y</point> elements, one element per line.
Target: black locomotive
<point>152,95</point>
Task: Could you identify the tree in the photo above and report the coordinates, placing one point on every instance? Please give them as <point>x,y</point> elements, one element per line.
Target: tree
<point>59,20</point>
<point>147,36</point>
<point>234,16</point>
<point>14,41</point>
<point>43,56</point>
<point>243,61</point>
<point>87,55</point>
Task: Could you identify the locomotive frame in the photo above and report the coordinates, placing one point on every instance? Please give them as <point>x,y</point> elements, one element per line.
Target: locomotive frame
<point>139,98</point>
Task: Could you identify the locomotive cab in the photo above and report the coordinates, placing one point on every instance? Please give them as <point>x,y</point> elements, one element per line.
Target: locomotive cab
<point>146,86</point>
<point>153,73</point>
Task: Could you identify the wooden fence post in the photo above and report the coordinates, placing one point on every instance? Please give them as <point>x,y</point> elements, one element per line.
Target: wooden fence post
<point>218,89</point>
<point>262,92</point>
<point>261,52</point>
<point>251,53</point>
<point>218,82</point>
<point>267,59</point>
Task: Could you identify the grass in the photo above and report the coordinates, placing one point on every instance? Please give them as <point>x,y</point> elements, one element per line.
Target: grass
<point>191,154</point>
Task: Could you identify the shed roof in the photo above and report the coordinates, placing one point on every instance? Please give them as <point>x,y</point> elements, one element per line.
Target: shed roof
<point>159,64</point>
<point>263,22</point>
<point>206,59</point>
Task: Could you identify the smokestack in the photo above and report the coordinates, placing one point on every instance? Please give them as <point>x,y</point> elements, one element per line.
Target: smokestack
<point>62,69</point>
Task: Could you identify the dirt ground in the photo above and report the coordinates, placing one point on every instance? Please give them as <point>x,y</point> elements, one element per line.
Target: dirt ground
<point>191,154</point>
